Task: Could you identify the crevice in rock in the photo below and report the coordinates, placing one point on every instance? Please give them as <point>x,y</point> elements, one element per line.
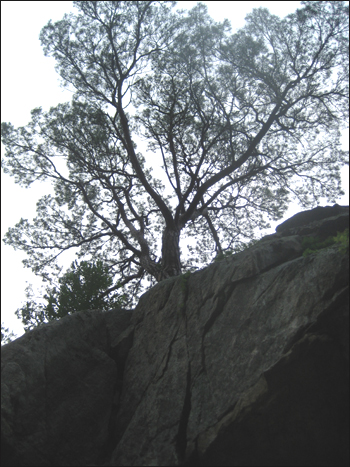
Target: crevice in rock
<point>339,281</point>
<point>117,431</point>
<point>181,437</point>
<point>213,317</point>
<point>300,333</point>
<point>165,299</point>
<point>119,354</point>
<point>226,412</point>
<point>168,356</point>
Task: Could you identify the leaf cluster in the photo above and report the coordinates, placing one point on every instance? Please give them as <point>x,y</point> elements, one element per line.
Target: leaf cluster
<point>6,335</point>
<point>312,244</point>
<point>84,286</point>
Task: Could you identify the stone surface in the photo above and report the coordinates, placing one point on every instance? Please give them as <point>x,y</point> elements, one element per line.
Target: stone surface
<point>242,363</point>
<point>337,217</point>
<point>58,388</point>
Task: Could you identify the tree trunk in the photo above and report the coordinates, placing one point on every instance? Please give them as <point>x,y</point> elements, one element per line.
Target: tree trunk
<point>171,265</point>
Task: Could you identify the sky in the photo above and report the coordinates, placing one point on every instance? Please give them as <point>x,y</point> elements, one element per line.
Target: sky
<point>29,80</point>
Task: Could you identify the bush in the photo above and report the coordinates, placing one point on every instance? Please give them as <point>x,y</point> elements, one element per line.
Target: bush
<point>312,245</point>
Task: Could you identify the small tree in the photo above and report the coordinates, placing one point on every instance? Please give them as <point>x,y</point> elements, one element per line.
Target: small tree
<point>85,286</point>
<point>243,124</point>
<point>6,335</point>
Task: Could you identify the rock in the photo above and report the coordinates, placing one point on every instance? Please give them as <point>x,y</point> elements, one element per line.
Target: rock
<point>59,387</point>
<point>316,221</point>
<point>242,363</point>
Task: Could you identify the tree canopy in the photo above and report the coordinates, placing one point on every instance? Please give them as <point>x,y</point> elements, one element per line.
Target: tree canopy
<point>242,124</point>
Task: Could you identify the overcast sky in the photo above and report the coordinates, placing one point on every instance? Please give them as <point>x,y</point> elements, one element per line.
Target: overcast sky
<point>28,80</point>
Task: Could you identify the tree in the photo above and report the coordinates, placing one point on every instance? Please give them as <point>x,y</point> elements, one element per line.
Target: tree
<point>243,124</point>
<point>84,286</point>
<point>7,336</point>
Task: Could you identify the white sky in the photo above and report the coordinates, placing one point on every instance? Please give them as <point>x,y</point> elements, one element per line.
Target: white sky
<point>28,80</point>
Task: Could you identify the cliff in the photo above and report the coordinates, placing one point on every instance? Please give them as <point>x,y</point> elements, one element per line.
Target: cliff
<point>242,363</point>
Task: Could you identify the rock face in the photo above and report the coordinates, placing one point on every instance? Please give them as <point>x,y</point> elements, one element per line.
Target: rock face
<point>242,363</point>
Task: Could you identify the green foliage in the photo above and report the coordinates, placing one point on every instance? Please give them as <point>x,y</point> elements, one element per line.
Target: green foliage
<point>6,335</point>
<point>223,255</point>
<point>82,287</point>
<point>342,240</point>
<point>312,244</point>
<point>183,281</point>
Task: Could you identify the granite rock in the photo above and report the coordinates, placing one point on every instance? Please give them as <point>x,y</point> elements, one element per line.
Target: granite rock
<point>244,362</point>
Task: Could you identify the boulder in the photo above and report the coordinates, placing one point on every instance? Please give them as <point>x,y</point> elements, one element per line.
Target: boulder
<point>244,362</point>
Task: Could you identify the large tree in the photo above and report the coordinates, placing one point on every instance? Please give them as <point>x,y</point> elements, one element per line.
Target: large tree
<point>241,123</point>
